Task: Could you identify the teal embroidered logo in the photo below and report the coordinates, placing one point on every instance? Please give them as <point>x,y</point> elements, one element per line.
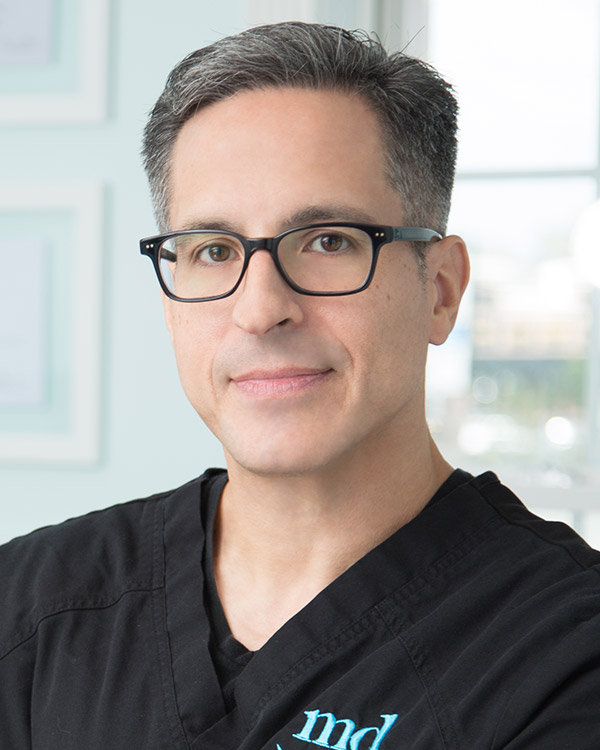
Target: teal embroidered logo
<point>324,730</point>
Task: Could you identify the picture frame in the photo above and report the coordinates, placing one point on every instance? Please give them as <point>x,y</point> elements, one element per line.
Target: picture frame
<point>50,308</point>
<point>54,70</point>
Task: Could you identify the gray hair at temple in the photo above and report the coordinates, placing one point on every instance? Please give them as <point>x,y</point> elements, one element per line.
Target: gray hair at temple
<point>414,105</point>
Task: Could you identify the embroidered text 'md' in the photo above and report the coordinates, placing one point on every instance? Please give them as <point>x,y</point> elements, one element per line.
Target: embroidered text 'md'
<point>349,739</point>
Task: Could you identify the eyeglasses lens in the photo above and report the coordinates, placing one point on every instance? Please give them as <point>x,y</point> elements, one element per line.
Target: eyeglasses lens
<point>203,264</point>
<point>326,259</point>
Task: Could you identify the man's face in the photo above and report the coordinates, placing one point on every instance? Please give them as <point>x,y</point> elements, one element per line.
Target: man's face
<point>291,383</point>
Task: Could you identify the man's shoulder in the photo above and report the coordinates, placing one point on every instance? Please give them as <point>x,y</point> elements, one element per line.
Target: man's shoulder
<point>542,534</point>
<point>518,565</point>
<point>482,538</point>
<point>85,562</point>
<point>539,609</point>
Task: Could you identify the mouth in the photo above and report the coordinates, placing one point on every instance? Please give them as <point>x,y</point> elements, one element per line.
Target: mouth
<point>280,382</point>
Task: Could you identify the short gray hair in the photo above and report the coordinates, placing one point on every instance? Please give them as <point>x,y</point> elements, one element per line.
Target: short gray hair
<point>414,105</point>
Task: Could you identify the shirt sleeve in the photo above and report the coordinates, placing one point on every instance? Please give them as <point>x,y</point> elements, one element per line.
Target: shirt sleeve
<point>557,706</point>
<point>16,670</point>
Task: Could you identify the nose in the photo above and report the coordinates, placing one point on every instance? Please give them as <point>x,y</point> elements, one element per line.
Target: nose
<point>264,301</point>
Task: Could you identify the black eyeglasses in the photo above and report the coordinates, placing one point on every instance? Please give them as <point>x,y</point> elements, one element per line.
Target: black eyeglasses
<point>198,265</point>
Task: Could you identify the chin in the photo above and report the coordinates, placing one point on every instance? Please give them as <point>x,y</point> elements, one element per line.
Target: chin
<point>277,462</point>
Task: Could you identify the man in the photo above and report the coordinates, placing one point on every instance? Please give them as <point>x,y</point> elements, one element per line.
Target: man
<point>341,586</point>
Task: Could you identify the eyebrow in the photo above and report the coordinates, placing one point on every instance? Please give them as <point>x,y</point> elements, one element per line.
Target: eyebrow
<point>222,224</point>
<point>307,215</point>
<point>334,212</point>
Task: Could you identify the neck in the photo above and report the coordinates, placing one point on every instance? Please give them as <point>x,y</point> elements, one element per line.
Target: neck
<point>279,540</point>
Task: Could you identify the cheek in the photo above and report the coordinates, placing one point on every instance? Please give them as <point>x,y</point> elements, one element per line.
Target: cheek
<point>399,329</point>
<point>384,331</point>
<point>400,302</point>
<point>195,339</point>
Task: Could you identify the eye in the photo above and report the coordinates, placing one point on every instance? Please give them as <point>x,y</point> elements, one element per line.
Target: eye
<point>214,254</point>
<point>216,251</point>
<point>329,243</point>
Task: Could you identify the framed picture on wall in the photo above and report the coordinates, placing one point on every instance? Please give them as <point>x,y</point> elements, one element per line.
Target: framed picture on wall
<point>53,60</point>
<point>50,293</point>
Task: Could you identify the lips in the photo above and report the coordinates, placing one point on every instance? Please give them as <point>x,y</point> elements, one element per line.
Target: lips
<point>280,381</point>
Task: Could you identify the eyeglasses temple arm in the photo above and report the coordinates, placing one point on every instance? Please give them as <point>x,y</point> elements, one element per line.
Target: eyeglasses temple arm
<point>415,234</point>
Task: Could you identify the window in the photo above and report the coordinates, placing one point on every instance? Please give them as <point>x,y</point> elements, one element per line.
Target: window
<point>517,387</point>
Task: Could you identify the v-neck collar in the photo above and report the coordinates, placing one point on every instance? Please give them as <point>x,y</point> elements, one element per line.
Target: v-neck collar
<point>349,603</point>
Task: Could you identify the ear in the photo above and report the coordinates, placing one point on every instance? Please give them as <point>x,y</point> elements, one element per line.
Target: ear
<point>448,271</point>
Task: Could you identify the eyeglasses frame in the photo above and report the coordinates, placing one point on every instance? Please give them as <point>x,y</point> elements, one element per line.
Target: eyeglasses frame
<point>379,235</point>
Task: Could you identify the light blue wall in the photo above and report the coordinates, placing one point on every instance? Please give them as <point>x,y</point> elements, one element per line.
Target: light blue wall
<point>151,439</point>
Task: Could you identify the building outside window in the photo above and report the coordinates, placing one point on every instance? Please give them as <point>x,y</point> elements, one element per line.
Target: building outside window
<point>523,394</point>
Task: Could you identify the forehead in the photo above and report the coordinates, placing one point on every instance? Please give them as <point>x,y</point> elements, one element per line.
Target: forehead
<point>321,111</point>
<point>279,146</point>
